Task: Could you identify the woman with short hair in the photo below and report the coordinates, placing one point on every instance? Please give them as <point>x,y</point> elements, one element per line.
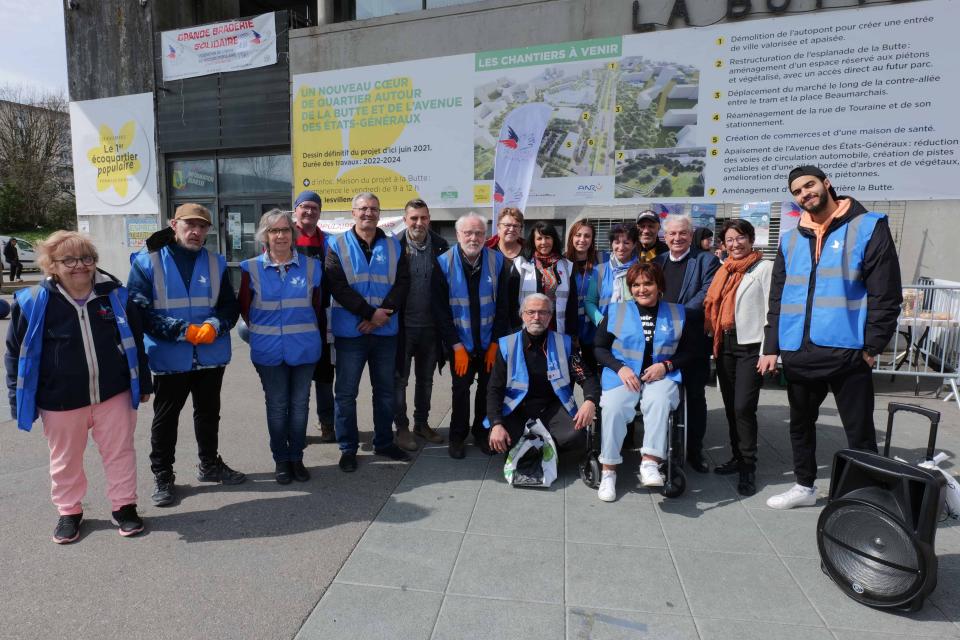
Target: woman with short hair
<point>735,311</point>
<point>75,357</point>
<point>281,302</point>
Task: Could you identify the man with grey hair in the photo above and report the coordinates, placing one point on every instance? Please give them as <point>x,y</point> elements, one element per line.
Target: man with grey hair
<point>418,339</point>
<point>367,275</point>
<point>474,288</point>
<point>532,379</point>
<point>687,273</point>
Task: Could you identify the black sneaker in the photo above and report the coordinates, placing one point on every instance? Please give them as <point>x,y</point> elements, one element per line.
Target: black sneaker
<point>127,521</point>
<point>164,491</point>
<point>393,452</point>
<point>218,471</point>
<point>729,467</point>
<point>300,473</point>
<point>68,529</point>
<point>348,461</point>
<point>282,474</point>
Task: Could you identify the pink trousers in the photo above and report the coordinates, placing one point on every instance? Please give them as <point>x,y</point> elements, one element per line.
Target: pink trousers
<point>112,424</point>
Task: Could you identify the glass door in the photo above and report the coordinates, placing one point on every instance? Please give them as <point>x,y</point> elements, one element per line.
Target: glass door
<point>240,221</point>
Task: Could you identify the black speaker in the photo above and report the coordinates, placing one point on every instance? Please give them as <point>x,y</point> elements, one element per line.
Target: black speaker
<point>876,535</point>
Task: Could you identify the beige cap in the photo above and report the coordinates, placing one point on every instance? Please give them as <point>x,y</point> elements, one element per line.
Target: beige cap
<point>191,211</point>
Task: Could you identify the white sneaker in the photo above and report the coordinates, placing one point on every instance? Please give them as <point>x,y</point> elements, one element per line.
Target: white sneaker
<point>608,486</point>
<point>796,496</point>
<point>650,474</point>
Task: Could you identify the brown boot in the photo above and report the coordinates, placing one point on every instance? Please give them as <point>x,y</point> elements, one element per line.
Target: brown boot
<point>405,440</point>
<point>327,433</point>
<point>428,434</point>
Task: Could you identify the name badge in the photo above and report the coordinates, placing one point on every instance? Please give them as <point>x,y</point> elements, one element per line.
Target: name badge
<point>553,374</point>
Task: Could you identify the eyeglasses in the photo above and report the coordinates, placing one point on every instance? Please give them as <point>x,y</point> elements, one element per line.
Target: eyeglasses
<point>282,231</point>
<point>736,240</point>
<point>366,209</point>
<point>70,261</point>
<point>537,312</point>
<point>506,225</point>
<point>472,234</point>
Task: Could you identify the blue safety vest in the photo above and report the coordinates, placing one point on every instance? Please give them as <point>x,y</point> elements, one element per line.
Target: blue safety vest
<point>587,330</point>
<point>839,310</point>
<point>518,380</point>
<point>491,263</point>
<point>283,323</point>
<point>33,305</point>
<point>194,305</point>
<point>605,273</point>
<point>372,281</point>
<point>629,345</point>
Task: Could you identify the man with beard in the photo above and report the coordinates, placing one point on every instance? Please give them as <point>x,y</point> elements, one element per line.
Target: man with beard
<point>418,339</point>
<point>650,246</point>
<point>834,301</point>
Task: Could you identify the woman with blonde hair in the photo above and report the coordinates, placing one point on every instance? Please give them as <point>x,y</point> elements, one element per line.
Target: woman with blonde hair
<point>75,358</point>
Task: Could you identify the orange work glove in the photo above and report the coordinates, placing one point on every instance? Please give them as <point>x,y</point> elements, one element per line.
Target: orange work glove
<point>491,356</point>
<point>191,334</point>
<point>461,360</point>
<point>206,334</point>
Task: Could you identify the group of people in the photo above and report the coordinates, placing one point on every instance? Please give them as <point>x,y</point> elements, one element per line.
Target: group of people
<point>520,319</point>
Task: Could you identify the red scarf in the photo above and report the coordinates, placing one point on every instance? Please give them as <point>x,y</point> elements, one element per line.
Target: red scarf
<point>545,265</point>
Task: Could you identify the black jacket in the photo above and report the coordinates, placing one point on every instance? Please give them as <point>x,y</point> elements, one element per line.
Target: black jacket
<point>448,331</point>
<point>64,382</point>
<point>439,247</point>
<point>881,276</point>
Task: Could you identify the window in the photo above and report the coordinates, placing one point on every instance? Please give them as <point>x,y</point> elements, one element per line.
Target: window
<point>260,174</point>
<point>192,178</point>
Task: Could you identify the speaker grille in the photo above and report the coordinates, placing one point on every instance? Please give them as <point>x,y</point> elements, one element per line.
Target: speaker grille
<point>871,550</point>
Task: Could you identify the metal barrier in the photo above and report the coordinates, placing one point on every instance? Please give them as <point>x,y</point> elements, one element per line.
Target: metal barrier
<point>927,342</point>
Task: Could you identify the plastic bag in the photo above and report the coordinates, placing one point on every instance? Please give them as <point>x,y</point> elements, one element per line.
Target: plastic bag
<point>951,492</point>
<point>532,462</point>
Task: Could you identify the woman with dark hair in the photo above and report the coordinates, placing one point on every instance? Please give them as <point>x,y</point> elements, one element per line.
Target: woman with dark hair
<point>703,239</point>
<point>582,252</point>
<point>543,269</point>
<point>609,283</point>
<point>735,311</point>
<point>75,359</point>
<point>642,344</point>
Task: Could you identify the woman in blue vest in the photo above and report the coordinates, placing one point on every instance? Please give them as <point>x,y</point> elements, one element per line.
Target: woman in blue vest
<point>641,344</point>
<point>543,269</point>
<point>75,357</point>
<point>281,302</point>
<point>582,252</point>
<point>609,281</point>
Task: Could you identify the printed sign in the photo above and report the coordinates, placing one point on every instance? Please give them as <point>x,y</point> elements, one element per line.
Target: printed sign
<point>216,48</point>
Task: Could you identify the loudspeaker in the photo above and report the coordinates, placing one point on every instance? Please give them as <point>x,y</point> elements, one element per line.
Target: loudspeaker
<point>876,535</point>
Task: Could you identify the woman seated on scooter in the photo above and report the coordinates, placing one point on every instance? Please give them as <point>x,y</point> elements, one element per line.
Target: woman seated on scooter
<point>641,344</point>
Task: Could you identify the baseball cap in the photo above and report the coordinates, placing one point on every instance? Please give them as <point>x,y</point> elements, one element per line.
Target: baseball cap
<point>648,215</point>
<point>191,211</point>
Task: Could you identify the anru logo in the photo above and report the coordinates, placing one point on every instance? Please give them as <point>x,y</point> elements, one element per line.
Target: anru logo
<point>497,192</point>
<point>589,187</point>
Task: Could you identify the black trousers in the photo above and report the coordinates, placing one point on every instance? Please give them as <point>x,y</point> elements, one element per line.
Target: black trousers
<point>740,387</point>
<point>16,269</point>
<point>853,391</point>
<point>695,379</point>
<point>460,424</point>
<point>557,421</point>
<point>170,394</point>
<point>420,346</point>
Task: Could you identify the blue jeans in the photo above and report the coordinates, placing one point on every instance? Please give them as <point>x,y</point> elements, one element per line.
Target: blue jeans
<point>287,393</point>
<point>352,355</point>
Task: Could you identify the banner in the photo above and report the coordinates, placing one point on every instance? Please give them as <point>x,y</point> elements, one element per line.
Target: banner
<point>113,155</point>
<point>391,225</point>
<point>714,114</point>
<point>516,156</point>
<point>758,214</point>
<point>217,48</point>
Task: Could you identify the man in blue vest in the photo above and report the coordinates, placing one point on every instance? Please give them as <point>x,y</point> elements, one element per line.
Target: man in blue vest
<point>472,316</point>
<point>367,275</point>
<point>532,379</point>
<point>688,272</point>
<point>834,301</point>
<point>189,308</point>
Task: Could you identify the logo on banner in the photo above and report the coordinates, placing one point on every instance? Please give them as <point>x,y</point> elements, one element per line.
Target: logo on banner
<point>172,54</point>
<point>118,162</point>
<point>590,188</point>
<point>178,180</point>
<point>512,139</point>
<point>497,192</point>
<point>256,37</point>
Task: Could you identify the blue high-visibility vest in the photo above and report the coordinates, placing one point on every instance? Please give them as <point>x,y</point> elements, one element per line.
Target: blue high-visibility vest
<point>372,280</point>
<point>629,345</point>
<point>518,379</point>
<point>838,314</point>
<point>33,305</point>
<point>195,304</point>
<point>605,278</point>
<point>283,323</point>
<point>586,329</point>
<point>491,263</point>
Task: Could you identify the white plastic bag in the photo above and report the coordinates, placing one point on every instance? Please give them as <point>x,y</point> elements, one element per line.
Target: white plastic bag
<point>532,462</point>
<point>951,492</point>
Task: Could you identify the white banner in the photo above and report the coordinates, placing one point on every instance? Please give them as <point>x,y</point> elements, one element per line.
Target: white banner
<point>113,152</point>
<point>516,157</point>
<point>391,225</point>
<point>220,47</point>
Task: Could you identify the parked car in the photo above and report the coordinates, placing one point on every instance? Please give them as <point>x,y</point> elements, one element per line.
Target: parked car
<point>28,254</point>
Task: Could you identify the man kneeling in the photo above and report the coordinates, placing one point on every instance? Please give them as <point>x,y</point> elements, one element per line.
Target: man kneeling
<point>531,380</point>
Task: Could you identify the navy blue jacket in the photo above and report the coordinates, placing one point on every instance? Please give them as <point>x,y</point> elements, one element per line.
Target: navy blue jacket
<point>64,382</point>
<point>701,267</point>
